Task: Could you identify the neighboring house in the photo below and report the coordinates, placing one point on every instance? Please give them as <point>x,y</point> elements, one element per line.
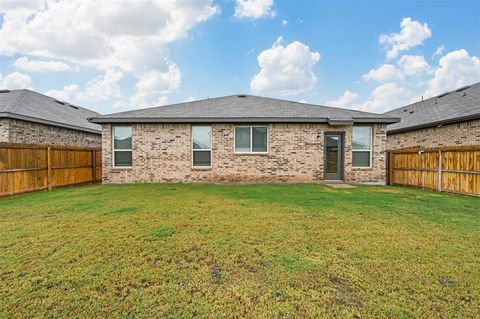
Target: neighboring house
<point>243,138</point>
<point>33,118</point>
<point>450,119</point>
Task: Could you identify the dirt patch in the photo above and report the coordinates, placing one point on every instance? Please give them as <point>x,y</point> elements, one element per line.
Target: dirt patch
<point>387,190</point>
<point>345,295</point>
<point>446,282</point>
<point>216,275</point>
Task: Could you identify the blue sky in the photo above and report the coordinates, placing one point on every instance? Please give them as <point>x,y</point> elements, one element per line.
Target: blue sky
<point>368,55</point>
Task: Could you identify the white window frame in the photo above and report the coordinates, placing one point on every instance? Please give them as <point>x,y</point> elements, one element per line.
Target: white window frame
<point>369,150</point>
<point>203,149</point>
<point>251,139</point>
<point>120,150</point>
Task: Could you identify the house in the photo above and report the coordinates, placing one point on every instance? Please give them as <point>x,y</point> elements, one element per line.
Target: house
<point>449,119</point>
<point>243,138</point>
<point>33,118</point>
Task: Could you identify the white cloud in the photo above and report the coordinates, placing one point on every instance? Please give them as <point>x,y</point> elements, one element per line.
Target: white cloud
<point>385,97</point>
<point>285,70</point>
<point>413,65</point>
<point>153,84</point>
<point>412,33</point>
<point>15,80</point>
<point>104,35</point>
<point>66,94</point>
<point>456,69</point>
<point>344,101</point>
<point>439,50</point>
<point>104,87</point>
<point>284,22</point>
<point>407,66</point>
<point>254,9</point>
<point>27,65</point>
<point>385,73</point>
<point>20,4</point>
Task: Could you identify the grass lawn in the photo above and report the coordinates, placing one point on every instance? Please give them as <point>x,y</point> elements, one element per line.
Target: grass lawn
<point>239,251</point>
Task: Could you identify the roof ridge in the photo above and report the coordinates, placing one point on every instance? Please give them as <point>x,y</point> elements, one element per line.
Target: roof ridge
<point>55,99</point>
<point>316,105</point>
<point>248,95</point>
<point>179,103</point>
<point>441,95</point>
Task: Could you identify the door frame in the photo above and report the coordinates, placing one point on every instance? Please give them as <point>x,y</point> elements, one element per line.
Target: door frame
<point>342,153</point>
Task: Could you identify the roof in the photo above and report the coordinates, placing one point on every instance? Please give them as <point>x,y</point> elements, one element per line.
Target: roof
<point>244,108</point>
<point>35,107</point>
<point>459,105</point>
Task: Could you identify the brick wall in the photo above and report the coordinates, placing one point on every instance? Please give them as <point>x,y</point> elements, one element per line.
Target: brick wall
<point>162,153</point>
<point>4,124</point>
<point>464,133</point>
<point>17,131</point>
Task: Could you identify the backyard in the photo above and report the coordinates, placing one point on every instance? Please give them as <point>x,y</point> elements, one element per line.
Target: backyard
<point>230,251</point>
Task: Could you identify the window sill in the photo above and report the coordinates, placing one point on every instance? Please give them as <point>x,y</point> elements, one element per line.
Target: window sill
<point>121,168</point>
<point>201,168</point>
<point>361,168</point>
<point>251,153</point>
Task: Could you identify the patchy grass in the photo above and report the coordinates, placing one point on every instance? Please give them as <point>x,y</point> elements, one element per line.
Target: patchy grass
<point>230,251</point>
<point>162,232</point>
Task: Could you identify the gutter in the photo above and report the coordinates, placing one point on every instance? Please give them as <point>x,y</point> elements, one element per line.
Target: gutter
<point>47,122</point>
<point>433,124</point>
<point>108,120</point>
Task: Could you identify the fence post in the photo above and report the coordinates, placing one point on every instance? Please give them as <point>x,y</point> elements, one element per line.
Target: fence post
<point>49,168</point>
<point>439,171</point>
<point>94,167</point>
<point>423,158</point>
<point>387,167</point>
<point>390,168</point>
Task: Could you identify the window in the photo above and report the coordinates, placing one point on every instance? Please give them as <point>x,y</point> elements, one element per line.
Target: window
<point>122,146</point>
<point>362,146</point>
<point>251,139</point>
<point>202,146</point>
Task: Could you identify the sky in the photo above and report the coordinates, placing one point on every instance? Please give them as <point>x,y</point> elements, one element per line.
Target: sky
<point>112,56</point>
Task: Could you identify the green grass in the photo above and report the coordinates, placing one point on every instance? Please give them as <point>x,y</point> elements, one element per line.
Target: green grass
<point>239,251</point>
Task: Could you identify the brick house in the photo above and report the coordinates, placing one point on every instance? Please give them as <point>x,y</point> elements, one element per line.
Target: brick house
<point>449,119</point>
<point>243,138</point>
<point>33,118</point>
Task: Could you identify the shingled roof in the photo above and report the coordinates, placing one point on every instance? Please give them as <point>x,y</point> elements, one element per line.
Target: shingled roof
<point>459,105</point>
<point>35,107</point>
<point>244,108</point>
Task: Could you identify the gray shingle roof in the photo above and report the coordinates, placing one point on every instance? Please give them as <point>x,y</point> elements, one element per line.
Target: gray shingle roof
<point>35,107</point>
<point>243,108</point>
<point>455,106</point>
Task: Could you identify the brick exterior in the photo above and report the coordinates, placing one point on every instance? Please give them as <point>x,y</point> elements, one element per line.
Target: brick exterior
<point>4,124</point>
<point>17,131</point>
<point>162,153</point>
<point>457,134</point>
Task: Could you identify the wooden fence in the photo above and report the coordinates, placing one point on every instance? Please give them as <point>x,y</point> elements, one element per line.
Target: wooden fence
<point>29,168</point>
<point>444,169</point>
